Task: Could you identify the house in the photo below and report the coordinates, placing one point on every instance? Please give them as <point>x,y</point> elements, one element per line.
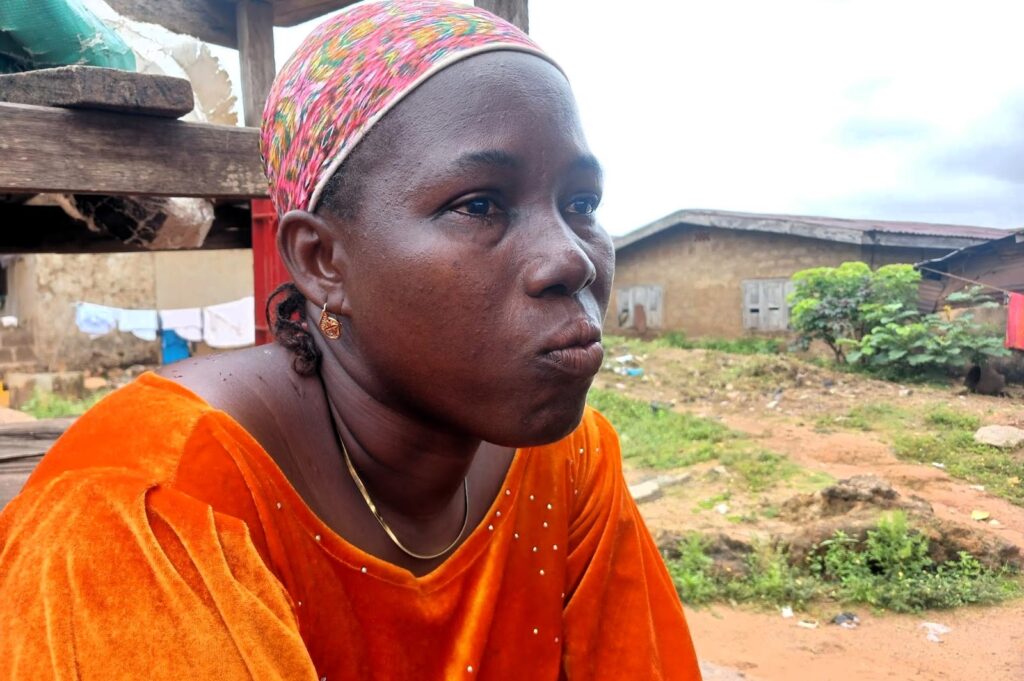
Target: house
<point>998,263</point>
<point>710,273</point>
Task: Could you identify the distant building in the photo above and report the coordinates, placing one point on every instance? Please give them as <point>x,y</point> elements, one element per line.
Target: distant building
<point>712,273</point>
<point>998,263</point>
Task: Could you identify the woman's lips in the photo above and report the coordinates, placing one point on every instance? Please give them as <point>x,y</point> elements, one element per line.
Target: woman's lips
<point>582,361</point>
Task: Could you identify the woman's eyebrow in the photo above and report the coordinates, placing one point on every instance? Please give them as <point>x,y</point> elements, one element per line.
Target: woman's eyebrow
<point>495,157</point>
<point>489,157</point>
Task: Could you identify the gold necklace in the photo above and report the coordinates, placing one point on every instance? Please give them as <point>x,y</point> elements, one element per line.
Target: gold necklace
<point>380,519</point>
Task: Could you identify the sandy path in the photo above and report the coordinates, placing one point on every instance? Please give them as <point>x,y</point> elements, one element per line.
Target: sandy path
<point>984,644</point>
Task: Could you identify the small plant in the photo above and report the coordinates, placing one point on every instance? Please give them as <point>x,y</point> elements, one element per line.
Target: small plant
<point>892,570</point>
<point>692,572</point>
<point>52,406</point>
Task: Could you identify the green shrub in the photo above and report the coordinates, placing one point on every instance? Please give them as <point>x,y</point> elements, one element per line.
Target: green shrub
<point>51,406</point>
<point>870,319</point>
<point>892,570</point>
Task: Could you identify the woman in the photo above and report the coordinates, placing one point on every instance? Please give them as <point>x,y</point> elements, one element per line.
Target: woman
<point>407,485</point>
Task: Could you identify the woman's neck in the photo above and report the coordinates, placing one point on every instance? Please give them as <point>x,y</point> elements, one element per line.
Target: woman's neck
<point>411,467</point>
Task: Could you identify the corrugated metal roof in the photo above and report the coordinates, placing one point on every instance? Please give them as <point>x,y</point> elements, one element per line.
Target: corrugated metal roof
<point>881,232</point>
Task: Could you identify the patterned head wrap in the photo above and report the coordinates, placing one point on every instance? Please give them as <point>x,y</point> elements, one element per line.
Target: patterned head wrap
<point>353,69</point>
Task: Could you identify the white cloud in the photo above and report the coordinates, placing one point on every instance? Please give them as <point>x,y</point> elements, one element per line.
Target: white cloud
<point>853,108</point>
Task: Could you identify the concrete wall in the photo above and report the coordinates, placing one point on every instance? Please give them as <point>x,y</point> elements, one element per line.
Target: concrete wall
<point>44,288</point>
<point>198,278</point>
<point>701,271</point>
<point>118,279</point>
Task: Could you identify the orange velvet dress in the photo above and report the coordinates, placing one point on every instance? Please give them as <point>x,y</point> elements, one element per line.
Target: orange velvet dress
<point>158,540</point>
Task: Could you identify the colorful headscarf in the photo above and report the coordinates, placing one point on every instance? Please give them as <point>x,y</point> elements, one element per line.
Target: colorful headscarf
<point>351,71</point>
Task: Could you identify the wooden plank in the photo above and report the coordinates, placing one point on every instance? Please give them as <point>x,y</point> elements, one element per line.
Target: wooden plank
<point>256,54</point>
<point>45,149</point>
<point>91,87</point>
<point>514,11</point>
<point>292,12</point>
<point>212,21</point>
<point>48,229</point>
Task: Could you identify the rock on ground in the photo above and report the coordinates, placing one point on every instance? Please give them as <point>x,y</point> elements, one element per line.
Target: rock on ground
<point>1006,437</point>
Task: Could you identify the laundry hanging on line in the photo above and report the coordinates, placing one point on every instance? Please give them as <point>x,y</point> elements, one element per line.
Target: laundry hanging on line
<point>230,325</point>
<point>227,325</point>
<point>186,322</point>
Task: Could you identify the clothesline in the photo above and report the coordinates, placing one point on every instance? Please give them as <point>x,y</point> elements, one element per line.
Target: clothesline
<point>965,279</point>
<point>226,325</point>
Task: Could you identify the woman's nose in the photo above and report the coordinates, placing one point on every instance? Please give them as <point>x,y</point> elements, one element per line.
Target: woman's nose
<point>561,265</point>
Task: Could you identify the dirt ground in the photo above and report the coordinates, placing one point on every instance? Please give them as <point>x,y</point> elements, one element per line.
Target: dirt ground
<point>779,403</point>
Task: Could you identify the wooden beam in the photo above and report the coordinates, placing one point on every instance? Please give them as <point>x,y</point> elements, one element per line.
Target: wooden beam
<point>44,149</point>
<point>91,87</point>
<point>292,12</point>
<point>210,20</point>
<point>48,229</point>
<point>256,54</point>
<point>514,11</point>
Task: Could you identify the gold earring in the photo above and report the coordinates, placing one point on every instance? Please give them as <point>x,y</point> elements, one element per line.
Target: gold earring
<point>330,326</point>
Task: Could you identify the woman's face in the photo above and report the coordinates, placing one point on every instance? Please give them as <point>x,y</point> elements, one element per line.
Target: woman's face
<point>475,275</point>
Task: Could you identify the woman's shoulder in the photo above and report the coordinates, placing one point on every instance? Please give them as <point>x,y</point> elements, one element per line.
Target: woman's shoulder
<point>142,428</point>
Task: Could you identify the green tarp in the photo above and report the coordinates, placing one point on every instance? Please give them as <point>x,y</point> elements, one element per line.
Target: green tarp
<point>37,34</point>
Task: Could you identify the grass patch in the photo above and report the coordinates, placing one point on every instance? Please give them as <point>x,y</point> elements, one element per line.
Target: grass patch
<point>890,570</point>
<point>964,458</point>
<point>944,417</point>
<point>759,470</point>
<point>50,406</point>
<point>880,416</point>
<point>659,438</point>
<point>748,345</point>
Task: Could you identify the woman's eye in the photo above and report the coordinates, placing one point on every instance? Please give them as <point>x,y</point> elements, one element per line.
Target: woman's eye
<point>582,205</point>
<point>477,208</point>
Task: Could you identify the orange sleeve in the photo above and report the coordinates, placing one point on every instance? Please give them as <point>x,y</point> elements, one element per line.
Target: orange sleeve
<point>104,575</point>
<point>624,619</point>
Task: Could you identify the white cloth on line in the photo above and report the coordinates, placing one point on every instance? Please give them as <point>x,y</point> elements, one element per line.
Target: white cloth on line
<point>186,322</point>
<point>230,325</point>
<point>96,320</point>
<point>140,323</point>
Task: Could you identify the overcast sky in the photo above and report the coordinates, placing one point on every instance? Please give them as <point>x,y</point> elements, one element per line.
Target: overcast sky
<point>885,109</point>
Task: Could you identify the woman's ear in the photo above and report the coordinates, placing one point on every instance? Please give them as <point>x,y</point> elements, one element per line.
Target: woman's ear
<point>314,255</point>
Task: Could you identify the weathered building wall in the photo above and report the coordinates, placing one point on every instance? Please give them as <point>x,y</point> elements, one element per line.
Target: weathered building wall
<point>701,271</point>
<point>198,278</point>
<point>45,288</point>
<point>118,279</point>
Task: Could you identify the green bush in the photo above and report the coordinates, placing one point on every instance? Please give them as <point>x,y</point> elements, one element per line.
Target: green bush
<point>50,406</point>
<point>870,318</point>
<point>892,570</point>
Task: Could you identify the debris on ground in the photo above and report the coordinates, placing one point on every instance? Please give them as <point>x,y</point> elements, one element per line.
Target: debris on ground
<point>935,631</point>
<point>847,620</point>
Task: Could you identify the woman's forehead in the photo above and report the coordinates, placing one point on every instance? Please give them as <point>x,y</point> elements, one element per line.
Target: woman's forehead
<point>351,71</point>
